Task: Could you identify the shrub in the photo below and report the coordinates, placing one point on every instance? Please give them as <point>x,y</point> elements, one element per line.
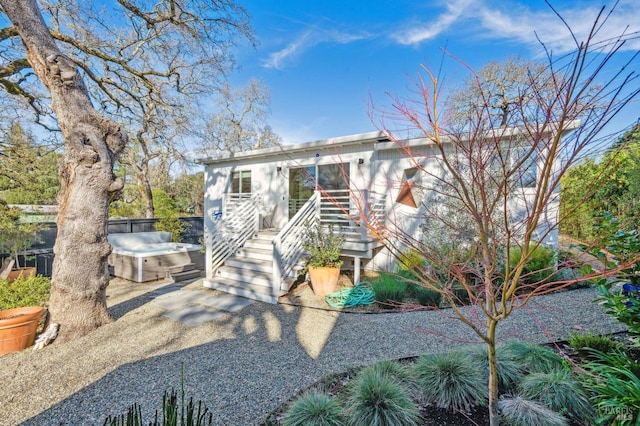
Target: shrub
<point>24,291</point>
<point>559,391</point>
<point>539,267</point>
<point>450,380</point>
<point>377,399</point>
<point>509,371</point>
<point>533,358</point>
<point>583,342</point>
<point>426,296</point>
<point>517,411</point>
<point>315,408</point>
<point>614,382</point>
<point>389,289</point>
<point>324,245</point>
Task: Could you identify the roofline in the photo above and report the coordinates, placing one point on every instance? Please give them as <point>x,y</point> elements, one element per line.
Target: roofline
<point>379,137</point>
<point>357,139</point>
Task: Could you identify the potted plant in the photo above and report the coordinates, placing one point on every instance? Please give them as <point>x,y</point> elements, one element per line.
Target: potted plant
<point>15,238</point>
<point>324,246</point>
<point>21,307</point>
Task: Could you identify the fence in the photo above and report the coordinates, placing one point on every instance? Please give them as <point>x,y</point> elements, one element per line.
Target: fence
<point>40,255</point>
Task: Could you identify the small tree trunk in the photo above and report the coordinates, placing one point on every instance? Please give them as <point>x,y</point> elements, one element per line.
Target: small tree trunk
<point>92,143</point>
<point>493,373</point>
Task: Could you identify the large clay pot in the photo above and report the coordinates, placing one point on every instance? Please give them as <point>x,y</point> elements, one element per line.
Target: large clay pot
<point>21,272</point>
<point>324,280</point>
<point>18,328</point>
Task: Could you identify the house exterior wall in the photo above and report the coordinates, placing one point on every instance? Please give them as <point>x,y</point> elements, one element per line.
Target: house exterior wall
<point>375,165</point>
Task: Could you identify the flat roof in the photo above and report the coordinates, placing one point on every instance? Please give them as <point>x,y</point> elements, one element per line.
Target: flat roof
<point>377,137</point>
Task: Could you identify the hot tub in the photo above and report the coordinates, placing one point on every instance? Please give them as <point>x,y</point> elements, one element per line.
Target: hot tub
<point>148,256</point>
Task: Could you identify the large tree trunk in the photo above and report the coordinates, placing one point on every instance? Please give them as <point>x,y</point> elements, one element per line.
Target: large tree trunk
<point>91,145</point>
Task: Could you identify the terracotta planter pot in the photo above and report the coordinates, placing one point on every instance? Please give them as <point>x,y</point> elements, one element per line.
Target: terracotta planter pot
<point>18,328</point>
<point>21,272</point>
<point>324,280</point>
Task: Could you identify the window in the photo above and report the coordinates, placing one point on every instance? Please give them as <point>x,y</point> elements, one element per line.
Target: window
<point>241,182</point>
<point>527,175</point>
<point>333,176</point>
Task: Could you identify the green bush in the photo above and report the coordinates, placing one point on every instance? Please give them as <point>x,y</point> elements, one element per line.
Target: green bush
<point>450,380</point>
<point>315,408</point>
<point>426,296</point>
<point>24,291</point>
<point>585,341</point>
<point>377,399</point>
<point>614,382</point>
<point>558,390</point>
<point>539,267</point>
<point>509,371</point>
<point>411,261</point>
<point>533,358</point>
<point>389,289</point>
<point>517,411</point>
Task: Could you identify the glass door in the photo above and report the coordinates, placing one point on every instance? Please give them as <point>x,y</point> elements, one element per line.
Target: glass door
<point>302,183</point>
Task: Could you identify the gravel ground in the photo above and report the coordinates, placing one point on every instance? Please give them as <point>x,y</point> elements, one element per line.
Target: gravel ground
<point>245,364</point>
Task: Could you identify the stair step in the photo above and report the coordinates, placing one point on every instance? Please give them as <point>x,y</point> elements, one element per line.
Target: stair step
<point>245,275</point>
<point>186,275</point>
<point>250,264</point>
<point>258,244</point>
<point>254,253</point>
<point>262,294</point>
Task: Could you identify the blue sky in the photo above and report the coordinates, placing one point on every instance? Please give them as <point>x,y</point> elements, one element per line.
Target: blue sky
<point>322,60</point>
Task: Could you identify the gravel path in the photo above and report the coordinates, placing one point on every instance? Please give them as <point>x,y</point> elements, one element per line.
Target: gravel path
<point>244,364</point>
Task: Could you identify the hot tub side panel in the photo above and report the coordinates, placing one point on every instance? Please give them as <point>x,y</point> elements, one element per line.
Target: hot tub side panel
<point>151,268</point>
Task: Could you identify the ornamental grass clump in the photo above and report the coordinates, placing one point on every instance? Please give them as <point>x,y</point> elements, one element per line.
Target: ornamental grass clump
<point>509,371</point>
<point>584,343</point>
<point>315,408</point>
<point>560,391</point>
<point>533,358</point>
<point>450,380</point>
<point>518,411</point>
<point>389,290</point>
<point>380,400</point>
<point>613,381</point>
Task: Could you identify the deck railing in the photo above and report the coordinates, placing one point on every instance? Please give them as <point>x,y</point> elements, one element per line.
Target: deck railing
<point>239,222</point>
<point>287,245</point>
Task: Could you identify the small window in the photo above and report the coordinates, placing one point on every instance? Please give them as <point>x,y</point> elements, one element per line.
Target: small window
<point>241,182</point>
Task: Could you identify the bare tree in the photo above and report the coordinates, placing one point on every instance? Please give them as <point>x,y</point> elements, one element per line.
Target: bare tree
<point>239,121</point>
<point>487,187</point>
<point>126,53</point>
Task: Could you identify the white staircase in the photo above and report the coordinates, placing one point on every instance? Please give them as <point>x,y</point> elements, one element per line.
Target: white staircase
<point>249,272</point>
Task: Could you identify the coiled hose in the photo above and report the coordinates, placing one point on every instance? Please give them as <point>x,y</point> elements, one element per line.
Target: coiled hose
<point>362,294</point>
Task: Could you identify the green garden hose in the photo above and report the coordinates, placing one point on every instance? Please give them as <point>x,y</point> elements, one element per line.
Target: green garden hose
<point>362,294</point>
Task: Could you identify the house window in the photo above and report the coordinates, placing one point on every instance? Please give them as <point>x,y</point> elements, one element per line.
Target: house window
<point>527,175</point>
<point>333,176</point>
<point>241,182</point>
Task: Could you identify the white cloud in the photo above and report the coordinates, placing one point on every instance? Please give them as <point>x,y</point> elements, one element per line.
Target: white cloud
<point>426,31</point>
<point>310,38</point>
<point>514,21</point>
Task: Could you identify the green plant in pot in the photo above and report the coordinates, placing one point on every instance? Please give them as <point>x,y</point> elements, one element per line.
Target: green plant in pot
<point>15,238</point>
<point>324,245</point>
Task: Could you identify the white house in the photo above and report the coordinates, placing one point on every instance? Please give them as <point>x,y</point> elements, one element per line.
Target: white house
<point>257,202</point>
